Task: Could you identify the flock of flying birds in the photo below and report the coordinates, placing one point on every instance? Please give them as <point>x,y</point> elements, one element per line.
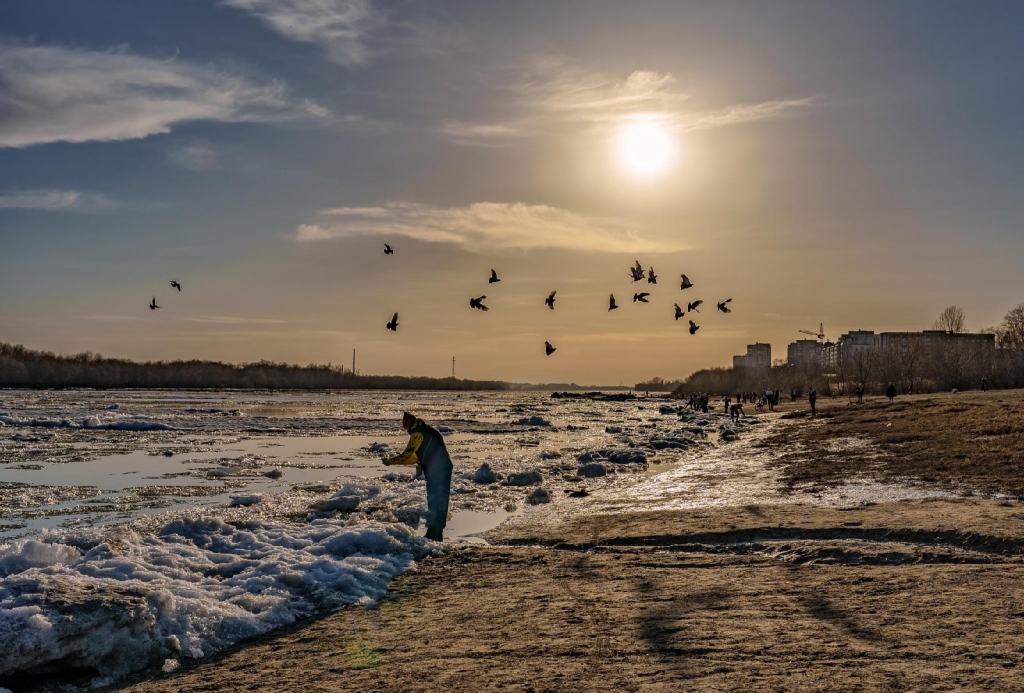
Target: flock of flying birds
<point>636,272</point>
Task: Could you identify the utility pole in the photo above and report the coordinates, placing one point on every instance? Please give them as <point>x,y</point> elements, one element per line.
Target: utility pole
<point>453,368</point>
<point>353,362</point>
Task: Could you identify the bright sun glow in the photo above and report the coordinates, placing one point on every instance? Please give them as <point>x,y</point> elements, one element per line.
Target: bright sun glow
<point>646,148</point>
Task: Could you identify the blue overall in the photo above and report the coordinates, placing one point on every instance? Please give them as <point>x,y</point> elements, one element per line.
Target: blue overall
<point>427,450</point>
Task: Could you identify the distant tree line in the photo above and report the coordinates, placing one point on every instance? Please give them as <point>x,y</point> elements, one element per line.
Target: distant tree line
<point>27,368</point>
<point>658,385</point>
<point>913,365</point>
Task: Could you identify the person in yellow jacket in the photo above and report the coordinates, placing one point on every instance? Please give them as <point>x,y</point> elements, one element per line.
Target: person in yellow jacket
<point>426,449</point>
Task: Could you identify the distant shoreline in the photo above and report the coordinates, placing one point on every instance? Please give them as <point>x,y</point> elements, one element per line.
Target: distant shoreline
<point>29,369</point>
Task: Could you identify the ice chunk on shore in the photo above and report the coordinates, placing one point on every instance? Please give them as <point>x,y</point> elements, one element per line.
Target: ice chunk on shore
<point>344,504</point>
<point>533,421</point>
<point>17,558</point>
<point>524,478</point>
<point>538,496</point>
<point>592,469</point>
<point>198,586</point>
<point>485,475</point>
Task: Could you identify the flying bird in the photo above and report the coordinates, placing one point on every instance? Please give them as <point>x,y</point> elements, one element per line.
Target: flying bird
<point>611,303</point>
<point>641,297</point>
<point>679,311</point>
<point>550,300</point>
<point>476,303</point>
<point>685,283</point>
<point>652,278</point>
<point>152,304</point>
<point>176,285</point>
<point>637,272</point>
<point>388,250</point>
<point>494,277</point>
<point>548,349</point>
<point>694,327</point>
<point>692,307</point>
<point>722,307</point>
<point>393,325</point>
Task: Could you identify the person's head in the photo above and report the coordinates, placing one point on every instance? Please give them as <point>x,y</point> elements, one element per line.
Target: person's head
<point>408,420</point>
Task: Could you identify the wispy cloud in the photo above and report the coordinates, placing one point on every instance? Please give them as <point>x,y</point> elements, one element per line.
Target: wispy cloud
<point>55,200</point>
<point>194,157</point>
<point>338,27</point>
<point>483,226</point>
<point>61,94</point>
<point>231,320</point>
<point>548,94</point>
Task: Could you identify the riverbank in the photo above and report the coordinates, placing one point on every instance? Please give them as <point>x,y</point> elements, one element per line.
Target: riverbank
<point>861,578</point>
<point>782,598</point>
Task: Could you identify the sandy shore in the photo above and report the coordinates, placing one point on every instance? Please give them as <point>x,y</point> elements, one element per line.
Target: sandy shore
<point>794,595</point>
<point>915,595</point>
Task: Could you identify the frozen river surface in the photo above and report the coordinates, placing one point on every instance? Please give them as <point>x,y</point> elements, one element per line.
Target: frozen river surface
<point>146,527</point>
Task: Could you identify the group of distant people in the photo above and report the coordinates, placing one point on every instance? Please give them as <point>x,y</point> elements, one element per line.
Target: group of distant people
<point>699,401</point>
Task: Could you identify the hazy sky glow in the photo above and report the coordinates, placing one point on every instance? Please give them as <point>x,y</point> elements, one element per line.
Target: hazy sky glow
<point>851,163</point>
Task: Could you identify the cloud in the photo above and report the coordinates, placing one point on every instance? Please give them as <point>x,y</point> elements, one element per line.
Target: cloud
<point>338,27</point>
<point>232,320</point>
<point>551,95</point>
<point>481,227</point>
<point>55,200</point>
<point>60,94</point>
<point>194,157</point>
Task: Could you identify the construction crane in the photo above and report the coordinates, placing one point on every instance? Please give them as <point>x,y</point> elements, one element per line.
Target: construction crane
<point>820,334</point>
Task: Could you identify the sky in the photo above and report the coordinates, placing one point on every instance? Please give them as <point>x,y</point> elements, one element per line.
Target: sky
<point>857,164</point>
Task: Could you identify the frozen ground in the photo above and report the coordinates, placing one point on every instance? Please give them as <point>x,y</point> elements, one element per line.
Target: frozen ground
<point>145,527</point>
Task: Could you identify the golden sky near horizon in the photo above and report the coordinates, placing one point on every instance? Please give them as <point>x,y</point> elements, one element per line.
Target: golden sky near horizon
<point>852,165</point>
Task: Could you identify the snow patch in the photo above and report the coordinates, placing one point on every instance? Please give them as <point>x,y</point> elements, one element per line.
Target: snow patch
<point>196,587</point>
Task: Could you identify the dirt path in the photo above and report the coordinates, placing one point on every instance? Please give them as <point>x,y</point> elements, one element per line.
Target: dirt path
<point>905,596</point>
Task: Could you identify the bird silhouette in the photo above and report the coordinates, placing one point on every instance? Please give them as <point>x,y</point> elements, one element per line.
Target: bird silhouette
<point>176,285</point>
<point>640,297</point>
<point>611,303</point>
<point>550,300</point>
<point>722,307</point>
<point>652,278</point>
<point>152,304</point>
<point>694,327</point>
<point>679,311</point>
<point>494,277</point>
<point>393,325</point>
<point>476,303</point>
<point>388,250</point>
<point>637,272</point>
<point>548,349</point>
<point>692,307</point>
<point>685,283</point>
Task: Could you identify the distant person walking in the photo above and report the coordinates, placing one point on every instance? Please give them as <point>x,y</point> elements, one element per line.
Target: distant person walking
<point>860,394</point>
<point>890,392</point>
<point>812,397</point>
<point>426,449</point>
<point>984,384</point>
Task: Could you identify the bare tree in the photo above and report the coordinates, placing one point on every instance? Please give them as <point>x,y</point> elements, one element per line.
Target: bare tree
<point>911,353</point>
<point>1011,332</point>
<point>951,320</point>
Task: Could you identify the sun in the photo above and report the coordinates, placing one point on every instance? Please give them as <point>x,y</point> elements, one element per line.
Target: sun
<point>645,148</point>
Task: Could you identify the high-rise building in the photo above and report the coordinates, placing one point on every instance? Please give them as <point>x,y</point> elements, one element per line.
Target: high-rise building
<point>804,352</point>
<point>759,355</point>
